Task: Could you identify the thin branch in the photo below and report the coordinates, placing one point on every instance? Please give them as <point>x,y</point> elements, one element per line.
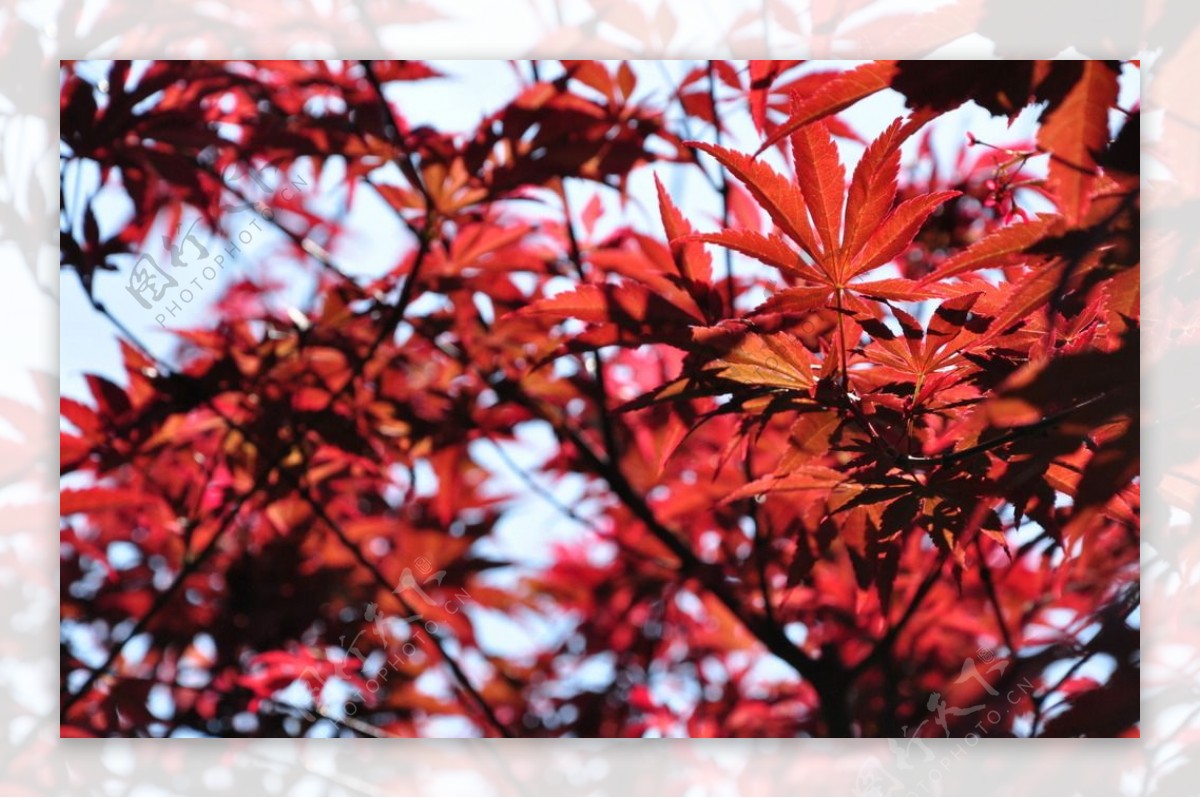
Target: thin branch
<point>133,340</point>
<point>1119,611</point>
<point>760,550</point>
<point>723,183</point>
<point>817,671</point>
<point>686,126</point>
<point>1039,701</point>
<point>607,424</point>
<point>841,333</point>
<point>539,489</point>
<point>410,612</point>
<point>304,242</point>
<point>404,158</point>
<point>888,640</point>
<point>986,446</point>
<point>161,600</point>
<point>360,726</point>
<point>985,574</point>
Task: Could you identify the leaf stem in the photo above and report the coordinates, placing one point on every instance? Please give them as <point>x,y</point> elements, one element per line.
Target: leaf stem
<point>842,343</point>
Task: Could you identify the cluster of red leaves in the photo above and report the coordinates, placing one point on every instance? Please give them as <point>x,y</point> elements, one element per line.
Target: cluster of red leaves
<point>817,493</point>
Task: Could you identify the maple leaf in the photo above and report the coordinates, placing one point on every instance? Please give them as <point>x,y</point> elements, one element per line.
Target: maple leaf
<point>1075,133</point>
<point>1003,247</point>
<point>839,93</point>
<point>776,360</point>
<point>664,293</point>
<point>89,500</point>
<point>843,234</point>
<point>917,354</point>
<point>732,356</point>
<point>762,75</point>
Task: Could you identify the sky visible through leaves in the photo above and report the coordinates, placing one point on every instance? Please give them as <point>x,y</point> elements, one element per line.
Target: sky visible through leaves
<point>550,515</point>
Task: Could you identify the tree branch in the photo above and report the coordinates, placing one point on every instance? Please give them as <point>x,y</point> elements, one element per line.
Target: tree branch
<point>827,678</point>
<point>985,575</point>
<point>888,640</point>
<point>460,676</point>
<point>160,601</point>
<point>986,446</point>
<point>607,425</point>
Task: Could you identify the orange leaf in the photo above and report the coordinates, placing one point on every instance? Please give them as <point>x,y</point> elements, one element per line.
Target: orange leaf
<point>897,231</point>
<point>811,477</point>
<point>1075,133</point>
<point>778,196</point>
<point>896,290</point>
<point>777,360</point>
<point>801,299</point>
<point>838,94</point>
<point>873,187</point>
<point>822,180</point>
<point>770,249</point>
<point>90,500</point>
<point>693,262</point>
<point>1002,248</point>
